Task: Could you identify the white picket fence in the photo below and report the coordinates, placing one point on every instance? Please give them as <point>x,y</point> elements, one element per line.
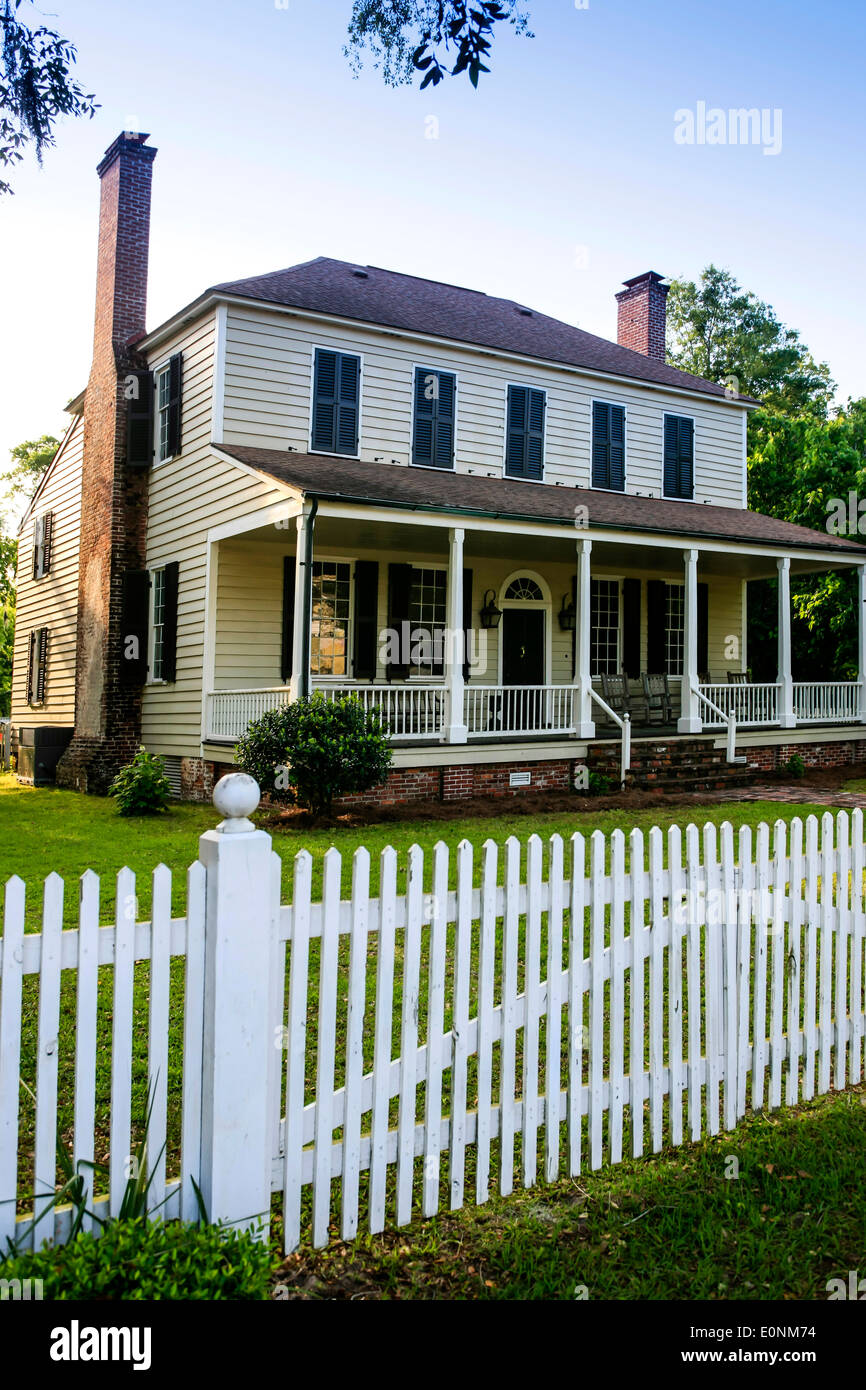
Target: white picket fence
<point>374,1055</point>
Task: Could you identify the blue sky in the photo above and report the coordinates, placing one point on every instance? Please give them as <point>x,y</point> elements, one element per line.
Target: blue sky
<point>556,180</point>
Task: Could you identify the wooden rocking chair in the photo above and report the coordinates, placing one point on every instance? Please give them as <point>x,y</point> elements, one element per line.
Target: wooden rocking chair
<point>657,693</point>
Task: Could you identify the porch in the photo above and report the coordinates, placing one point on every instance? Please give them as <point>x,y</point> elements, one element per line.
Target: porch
<point>499,631</point>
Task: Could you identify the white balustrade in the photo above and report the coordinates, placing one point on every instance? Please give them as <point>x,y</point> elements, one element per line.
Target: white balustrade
<point>520,709</point>
<point>827,702</point>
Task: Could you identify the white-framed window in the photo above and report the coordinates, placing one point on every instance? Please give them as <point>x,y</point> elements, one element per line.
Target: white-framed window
<point>163,399</point>
<point>37,666</point>
<point>157,624</point>
<point>604,608</point>
<point>428,616</point>
<point>43,533</point>
<point>675,625</point>
<point>331,620</point>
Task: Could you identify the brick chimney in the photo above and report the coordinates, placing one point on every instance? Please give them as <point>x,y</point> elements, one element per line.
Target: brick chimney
<point>641,317</point>
<point>114,498</point>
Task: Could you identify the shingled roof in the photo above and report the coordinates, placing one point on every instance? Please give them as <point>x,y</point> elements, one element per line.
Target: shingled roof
<point>427,489</point>
<point>369,294</point>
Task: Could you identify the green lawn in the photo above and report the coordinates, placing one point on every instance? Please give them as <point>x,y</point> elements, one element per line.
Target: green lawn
<point>686,1224</point>
<point>45,830</point>
<point>49,830</point>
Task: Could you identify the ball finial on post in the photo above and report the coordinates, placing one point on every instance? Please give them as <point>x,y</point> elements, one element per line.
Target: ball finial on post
<point>236,796</point>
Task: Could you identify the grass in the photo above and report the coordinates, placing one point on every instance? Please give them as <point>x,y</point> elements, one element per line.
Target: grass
<point>771,1211</point>
<point>50,830</point>
<point>45,831</point>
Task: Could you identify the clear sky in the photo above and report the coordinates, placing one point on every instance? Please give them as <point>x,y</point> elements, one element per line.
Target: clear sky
<point>556,180</point>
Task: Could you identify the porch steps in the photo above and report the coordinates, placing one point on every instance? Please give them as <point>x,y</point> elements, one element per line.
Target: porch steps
<point>677,765</point>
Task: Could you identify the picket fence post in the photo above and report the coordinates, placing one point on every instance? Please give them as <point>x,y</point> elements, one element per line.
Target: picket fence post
<point>235,1129</point>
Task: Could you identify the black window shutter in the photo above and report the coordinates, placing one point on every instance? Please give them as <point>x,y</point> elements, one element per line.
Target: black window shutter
<point>336,385</point>
<point>631,627</point>
<point>169,624</point>
<point>366,618</point>
<point>574,629</point>
<point>524,445</point>
<point>399,587</point>
<point>703,628</point>
<point>608,445</point>
<point>175,391</point>
<point>349,373</point>
<point>433,423</point>
<point>467,620</point>
<point>47,539</point>
<point>679,449</point>
<point>42,664</point>
<point>656,619</point>
<point>288,632</point>
<point>139,420</point>
<point>134,619</point>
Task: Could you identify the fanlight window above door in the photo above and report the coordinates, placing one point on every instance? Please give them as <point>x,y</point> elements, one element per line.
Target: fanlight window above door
<point>524,588</point>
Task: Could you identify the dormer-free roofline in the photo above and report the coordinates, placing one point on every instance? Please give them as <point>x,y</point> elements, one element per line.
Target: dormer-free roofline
<point>211,299</point>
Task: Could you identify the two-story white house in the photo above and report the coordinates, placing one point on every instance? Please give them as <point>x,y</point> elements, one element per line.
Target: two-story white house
<point>343,478</point>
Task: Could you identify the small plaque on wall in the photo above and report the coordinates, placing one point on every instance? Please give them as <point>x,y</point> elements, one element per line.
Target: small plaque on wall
<point>519,779</point>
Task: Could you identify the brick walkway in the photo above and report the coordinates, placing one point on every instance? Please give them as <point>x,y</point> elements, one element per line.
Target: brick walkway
<point>796,794</point>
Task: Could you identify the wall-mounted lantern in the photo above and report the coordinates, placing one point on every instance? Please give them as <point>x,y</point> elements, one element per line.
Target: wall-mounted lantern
<point>490,615</point>
<point>567,615</point>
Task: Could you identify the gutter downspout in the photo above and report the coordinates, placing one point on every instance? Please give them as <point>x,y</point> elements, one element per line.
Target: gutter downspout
<point>309,524</point>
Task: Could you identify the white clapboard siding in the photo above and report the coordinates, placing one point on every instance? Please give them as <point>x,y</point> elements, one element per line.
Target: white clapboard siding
<point>497,1036</point>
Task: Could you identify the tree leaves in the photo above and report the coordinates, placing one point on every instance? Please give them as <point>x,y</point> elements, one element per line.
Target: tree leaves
<point>35,86</point>
<point>438,38</point>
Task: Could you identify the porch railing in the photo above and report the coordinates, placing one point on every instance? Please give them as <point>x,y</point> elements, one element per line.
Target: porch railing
<point>827,702</point>
<point>747,704</point>
<point>624,722</point>
<point>519,709</point>
<point>230,712</point>
<point>406,711</point>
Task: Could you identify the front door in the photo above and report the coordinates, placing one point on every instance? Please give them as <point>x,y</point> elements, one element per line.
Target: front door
<point>522,664</point>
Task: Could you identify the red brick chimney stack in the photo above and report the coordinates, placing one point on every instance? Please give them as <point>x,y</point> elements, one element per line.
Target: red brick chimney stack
<point>114,498</point>
<point>641,317</point>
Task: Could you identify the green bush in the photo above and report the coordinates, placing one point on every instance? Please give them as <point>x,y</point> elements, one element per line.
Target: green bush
<point>314,750</point>
<point>794,767</point>
<point>145,1259</point>
<point>598,784</point>
<point>141,788</point>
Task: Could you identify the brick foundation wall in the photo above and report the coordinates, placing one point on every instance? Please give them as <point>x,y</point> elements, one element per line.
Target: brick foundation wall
<point>773,756</point>
<point>197,778</point>
<point>114,498</point>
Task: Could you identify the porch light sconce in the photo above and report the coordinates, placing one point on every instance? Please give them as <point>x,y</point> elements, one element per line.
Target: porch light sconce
<point>490,614</point>
<point>567,614</point>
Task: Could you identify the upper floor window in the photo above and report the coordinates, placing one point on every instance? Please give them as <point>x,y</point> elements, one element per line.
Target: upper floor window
<point>331,618</point>
<point>336,395</point>
<point>168,408</point>
<point>433,431</point>
<point>37,666</point>
<point>679,457</point>
<point>608,445</point>
<point>43,533</point>
<point>524,439</point>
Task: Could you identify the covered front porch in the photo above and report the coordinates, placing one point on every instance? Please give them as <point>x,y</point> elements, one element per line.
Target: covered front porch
<point>499,630</point>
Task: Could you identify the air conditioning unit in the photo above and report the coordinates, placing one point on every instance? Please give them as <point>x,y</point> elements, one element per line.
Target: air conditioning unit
<point>39,752</point>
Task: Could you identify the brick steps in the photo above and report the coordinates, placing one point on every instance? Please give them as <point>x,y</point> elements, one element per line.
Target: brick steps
<point>687,766</point>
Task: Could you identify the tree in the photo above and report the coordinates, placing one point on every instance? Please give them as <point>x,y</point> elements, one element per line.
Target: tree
<point>8,559</point>
<point>434,37</point>
<point>29,461</point>
<point>724,333</point>
<point>36,86</point>
<point>805,470</point>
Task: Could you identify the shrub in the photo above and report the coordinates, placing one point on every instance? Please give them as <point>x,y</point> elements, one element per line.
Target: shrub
<point>141,788</point>
<point>315,749</point>
<point>794,767</point>
<point>598,784</point>
<point>144,1259</point>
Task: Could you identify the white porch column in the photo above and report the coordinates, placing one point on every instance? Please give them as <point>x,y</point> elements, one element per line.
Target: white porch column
<point>583,673</point>
<point>454,644</point>
<point>690,721</point>
<point>861,639</point>
<point>784,678</point>
<point>300,681</point>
